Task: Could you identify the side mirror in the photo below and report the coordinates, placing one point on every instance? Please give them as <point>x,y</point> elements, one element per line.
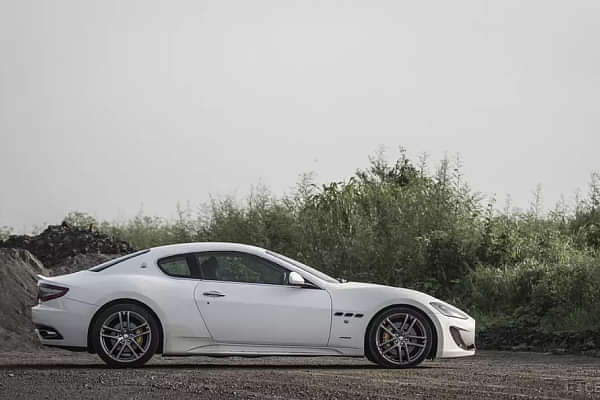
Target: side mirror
<point>295,279</point>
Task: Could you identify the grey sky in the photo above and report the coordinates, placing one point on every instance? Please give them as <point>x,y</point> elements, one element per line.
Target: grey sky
<point>105,105</point>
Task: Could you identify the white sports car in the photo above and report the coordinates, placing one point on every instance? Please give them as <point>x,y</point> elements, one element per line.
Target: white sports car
<point>226,299</point>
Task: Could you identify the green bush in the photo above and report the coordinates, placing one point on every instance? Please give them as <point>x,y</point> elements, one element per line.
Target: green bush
<point>398,224</point>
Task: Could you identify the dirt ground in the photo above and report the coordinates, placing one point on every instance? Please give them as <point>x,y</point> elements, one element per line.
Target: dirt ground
<point>497,375</point>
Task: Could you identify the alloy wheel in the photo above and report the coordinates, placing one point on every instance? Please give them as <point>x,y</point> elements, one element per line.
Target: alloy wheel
<point>401,338</point>
<point>125,336</point>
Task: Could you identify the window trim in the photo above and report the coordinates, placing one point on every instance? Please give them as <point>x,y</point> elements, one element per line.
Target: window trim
<point>118,260</point>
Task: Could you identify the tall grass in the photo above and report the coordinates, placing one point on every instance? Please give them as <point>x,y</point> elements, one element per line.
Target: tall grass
<point>396,223</point>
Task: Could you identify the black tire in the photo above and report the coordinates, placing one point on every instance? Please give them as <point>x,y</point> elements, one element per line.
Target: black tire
<point>147,341</point>
<point>410,351</point>
<point>370,356</point>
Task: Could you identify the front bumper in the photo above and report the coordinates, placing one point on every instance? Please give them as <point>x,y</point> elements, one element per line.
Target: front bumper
<point>67,317</point>
<point>456,337</point>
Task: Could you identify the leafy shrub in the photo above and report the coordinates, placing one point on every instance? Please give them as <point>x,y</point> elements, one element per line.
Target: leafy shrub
<point>398,224</point>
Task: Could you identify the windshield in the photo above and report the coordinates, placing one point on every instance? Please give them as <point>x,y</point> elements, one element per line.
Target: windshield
<point>304,267</point>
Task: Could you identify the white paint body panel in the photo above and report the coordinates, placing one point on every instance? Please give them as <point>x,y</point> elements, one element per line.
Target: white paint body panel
<point>251,319</point>
<point>265,314</point>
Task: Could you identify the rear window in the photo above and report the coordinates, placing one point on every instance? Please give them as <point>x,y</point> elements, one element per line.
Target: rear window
<point>108,264</point>
<point>176,266</point>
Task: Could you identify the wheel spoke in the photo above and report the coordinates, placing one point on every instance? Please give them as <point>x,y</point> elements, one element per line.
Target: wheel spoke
<point>128,323</point>
<point>109,336</point>
<point>140,334</point>
<point>411,325</point>
<point>387,330</point>
<point>144,325</point>
<point>386,342</point>
<point>415,337</point>
<point>121,321</point>
<point>393,326</point>
<point>114,347</point>
<point>133,353</point>
<point>110,329</point>
<point>415,344</point>
<point>121,351</point>
<point>142,351</point>
<point>389,349</point>
<point>407,352</point>
<point>403,323</point>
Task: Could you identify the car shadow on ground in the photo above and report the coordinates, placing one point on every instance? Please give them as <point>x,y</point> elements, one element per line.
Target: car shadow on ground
<point>52,366</point>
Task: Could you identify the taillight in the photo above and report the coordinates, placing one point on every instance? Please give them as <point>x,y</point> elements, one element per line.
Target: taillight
<point>48,292</point>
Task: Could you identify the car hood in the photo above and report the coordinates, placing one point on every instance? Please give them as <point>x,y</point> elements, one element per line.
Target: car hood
<point>369,295</point>
<point>396,291</point>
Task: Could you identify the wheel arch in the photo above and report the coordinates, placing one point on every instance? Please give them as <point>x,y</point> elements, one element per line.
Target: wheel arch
<point>90,346</point>
<point>434,328</point>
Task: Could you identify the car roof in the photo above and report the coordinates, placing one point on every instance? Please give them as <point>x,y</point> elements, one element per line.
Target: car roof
<point>180,248</point>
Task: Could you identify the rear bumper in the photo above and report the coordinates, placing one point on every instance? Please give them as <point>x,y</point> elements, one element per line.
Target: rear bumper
<point>68,318</point>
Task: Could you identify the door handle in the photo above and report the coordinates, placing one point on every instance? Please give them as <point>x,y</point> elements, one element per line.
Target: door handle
<point>213,293</point>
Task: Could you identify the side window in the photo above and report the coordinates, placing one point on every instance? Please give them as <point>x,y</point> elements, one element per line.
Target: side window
<point>240,267</point>
<point>175,266</point>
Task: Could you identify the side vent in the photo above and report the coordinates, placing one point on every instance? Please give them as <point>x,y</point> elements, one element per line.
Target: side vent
<point>347,315</point>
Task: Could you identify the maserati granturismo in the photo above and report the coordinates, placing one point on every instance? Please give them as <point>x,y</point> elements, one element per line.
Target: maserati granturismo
<point>226,299</point>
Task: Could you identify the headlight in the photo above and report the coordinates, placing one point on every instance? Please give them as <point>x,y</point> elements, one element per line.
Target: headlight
<point>448,310</point>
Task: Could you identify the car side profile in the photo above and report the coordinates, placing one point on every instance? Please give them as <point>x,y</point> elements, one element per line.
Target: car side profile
<point>227,299</point>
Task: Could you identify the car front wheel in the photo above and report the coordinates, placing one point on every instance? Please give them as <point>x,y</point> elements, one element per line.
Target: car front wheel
<point>400,337</point>
<point>126,335</point>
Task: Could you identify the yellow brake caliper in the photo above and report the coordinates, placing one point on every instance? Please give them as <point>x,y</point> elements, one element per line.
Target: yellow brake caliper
<point>386,337</point>
<point>139,338</point>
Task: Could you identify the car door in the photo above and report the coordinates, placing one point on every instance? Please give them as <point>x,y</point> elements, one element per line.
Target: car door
<point>245,299</point>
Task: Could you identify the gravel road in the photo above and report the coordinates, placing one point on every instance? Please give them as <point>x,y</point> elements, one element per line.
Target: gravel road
<point>489,375</point>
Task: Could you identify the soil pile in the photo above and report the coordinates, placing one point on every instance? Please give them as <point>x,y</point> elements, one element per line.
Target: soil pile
<point>60,243</point>
<point>79,262</point>
<point>18,292</point>
<point>60,249</point>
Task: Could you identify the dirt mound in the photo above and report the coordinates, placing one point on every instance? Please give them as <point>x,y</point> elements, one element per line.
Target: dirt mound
<point>62,242</point>
<point>18,292</point>
<point>61,249</point>
<point>79,262</point>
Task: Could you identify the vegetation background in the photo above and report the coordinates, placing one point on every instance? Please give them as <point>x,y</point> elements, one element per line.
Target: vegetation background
<point>531,278</point>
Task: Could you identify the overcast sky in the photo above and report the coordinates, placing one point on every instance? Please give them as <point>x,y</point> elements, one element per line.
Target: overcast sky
<point>107,105</point>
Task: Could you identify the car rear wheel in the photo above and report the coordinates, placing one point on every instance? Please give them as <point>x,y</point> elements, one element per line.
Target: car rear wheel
<point>126,335</point>
<point>400,337</point>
